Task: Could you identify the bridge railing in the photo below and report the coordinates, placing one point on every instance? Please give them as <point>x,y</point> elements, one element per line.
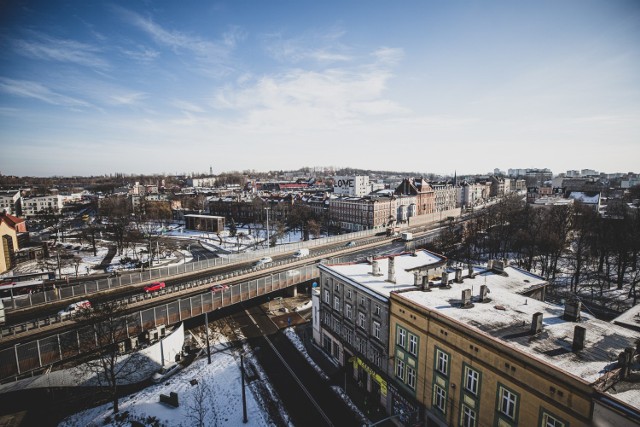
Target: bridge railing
<point>87,288</point>
<point>29,358</point>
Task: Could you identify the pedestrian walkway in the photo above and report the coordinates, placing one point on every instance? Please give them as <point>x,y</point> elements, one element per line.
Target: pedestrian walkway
<point>106,261</point>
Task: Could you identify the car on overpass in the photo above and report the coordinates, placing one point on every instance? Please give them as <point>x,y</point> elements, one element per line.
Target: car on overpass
<point>262,261</point>
<point>74,309</point>
<point>155,286</point>
<point>219,288</point>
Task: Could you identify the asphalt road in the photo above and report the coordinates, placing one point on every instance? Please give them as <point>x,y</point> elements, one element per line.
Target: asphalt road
<point>307,397</point>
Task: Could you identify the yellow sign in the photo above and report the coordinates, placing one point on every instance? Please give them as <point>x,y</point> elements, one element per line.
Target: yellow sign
<point>377,378</point>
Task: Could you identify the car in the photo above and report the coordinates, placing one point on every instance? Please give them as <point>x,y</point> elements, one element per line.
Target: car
<point>262,261</point>
<point>155,286</point>
<point>74,309</point>
<point>350,244</point>
<point>219,288</point>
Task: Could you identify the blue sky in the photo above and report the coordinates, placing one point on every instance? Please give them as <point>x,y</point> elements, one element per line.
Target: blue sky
<point>93,87</point>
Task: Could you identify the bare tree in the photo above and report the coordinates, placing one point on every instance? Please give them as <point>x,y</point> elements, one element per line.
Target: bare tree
<point>199,406</point>
<point>106,327</point>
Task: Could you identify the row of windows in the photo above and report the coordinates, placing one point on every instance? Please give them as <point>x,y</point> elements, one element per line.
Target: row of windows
<point>507,407</point>
<point>407,341</point>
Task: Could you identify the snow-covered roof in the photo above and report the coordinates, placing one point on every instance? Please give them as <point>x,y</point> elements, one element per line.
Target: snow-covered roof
<point>584,197</point>
<point>508,315</point>
<point>361,273</point>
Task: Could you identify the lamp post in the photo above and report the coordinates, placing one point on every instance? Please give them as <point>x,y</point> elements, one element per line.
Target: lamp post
<point>268,234</point>
<point>244,397</point>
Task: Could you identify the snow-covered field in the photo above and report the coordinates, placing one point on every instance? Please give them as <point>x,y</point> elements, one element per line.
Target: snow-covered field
<point>215,398</point>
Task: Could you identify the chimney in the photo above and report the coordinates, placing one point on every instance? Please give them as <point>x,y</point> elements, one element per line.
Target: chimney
<point>470,271</point>
<point>375,268</point>
<point>392,270</point>
<point>572,310</point>
<point>490,264</point>
<point>416,279</point>
<point>483,292</point>
<point>536,323</point>
<point>579,334</point>
<point>458,275</point>
<point>466,297</point>
<point>625,359</point>
<point>445,278</point>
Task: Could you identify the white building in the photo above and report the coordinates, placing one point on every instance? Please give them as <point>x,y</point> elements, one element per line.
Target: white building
<point>31,206</point>
<point>9,201</point>
<point>351,185</point>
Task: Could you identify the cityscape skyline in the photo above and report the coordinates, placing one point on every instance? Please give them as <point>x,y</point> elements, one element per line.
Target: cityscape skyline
<point>436,87</point>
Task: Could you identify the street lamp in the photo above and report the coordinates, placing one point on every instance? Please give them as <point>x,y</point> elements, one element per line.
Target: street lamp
<point>244,396</point>
<point>268,234</point>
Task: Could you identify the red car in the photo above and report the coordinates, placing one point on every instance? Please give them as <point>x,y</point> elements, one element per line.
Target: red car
<point>156,286</point>
<point>219,288</point>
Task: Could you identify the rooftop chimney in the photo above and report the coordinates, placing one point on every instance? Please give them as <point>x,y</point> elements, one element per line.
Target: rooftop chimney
<point>572,310</point>
<point>445,278</point>
<point>466,297</point>
<point>392,270</point>
<point>536,323</point>
<point>483,292</point>
<point>579,334</point>
<point>458,275</point>
<point>375,268</point>
<point>470,271</point>
<point>490,264</point>
<point>416,278</point>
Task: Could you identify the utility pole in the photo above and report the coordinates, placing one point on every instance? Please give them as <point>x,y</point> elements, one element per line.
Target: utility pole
<point>268,234</point>
<point>206,329</point>
<point>244,397</point>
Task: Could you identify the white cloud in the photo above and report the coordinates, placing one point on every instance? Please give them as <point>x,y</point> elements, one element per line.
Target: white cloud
<point>49,48</point>
<point>29,89</point>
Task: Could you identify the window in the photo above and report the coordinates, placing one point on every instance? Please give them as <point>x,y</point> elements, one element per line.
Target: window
<point>468,417</point>
<point>439,398</point>
<point>413,344</point>
<point>362,345</point>
<point>378,310</point>
<point>442,362</point>
<point>376,329</point>
<point>361,300</point>
<point>349,293</point>
<point>326,296</point>
<point>402,336</point>
<point>336,287</point>
<point>349,335</point>
<point>327,318</point>
<point>400,369</point>
<point>507,403</point>
<point>471,378</point>
<point>362,320</point>
<point>348,311</point>
<point>336,303</point>
<point>549,420</point>
<point>411,377</point>
<point>377,358</point>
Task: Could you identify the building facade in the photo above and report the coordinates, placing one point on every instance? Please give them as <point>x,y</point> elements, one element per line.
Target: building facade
<point>355,186</point>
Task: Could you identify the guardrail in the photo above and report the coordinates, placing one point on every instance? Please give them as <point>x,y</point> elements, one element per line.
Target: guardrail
<point>42,322</point>
<point>87,288</point>
<point>29,358</point>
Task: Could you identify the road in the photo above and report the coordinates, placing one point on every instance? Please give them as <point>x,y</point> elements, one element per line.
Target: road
<point>306,395</point>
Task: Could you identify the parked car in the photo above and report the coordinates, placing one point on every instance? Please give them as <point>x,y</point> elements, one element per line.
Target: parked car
<point>219,288</point>
<point>350,244</point>
<point>155,286</point>
<point>262,261</point>
<point>74,309</point>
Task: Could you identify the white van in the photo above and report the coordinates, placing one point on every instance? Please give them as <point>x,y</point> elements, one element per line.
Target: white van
<point>301,253</point>
<point>74,309</point>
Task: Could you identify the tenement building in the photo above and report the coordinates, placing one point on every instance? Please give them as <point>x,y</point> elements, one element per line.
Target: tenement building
<point>354,314</point>
<point>485,350</point>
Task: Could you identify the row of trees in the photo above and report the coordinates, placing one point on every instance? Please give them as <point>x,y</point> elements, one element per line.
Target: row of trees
<point>571,245</point>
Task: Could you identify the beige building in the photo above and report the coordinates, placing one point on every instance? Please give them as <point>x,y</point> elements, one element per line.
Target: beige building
<point>484,350</point>
<point>10,228</point>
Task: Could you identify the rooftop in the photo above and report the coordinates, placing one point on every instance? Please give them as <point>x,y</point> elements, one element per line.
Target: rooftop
<point>507,316</point>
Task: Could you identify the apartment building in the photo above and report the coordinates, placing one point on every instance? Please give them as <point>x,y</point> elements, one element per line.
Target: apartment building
<point>485,350</point>
<point>357,186</point>
<point>11,229</point>
<point>379,210</point>
<point>353,312</point>
<point>31,206</point>
<point>424,194</point>
<point>10,202</point>
<point>445,196</point>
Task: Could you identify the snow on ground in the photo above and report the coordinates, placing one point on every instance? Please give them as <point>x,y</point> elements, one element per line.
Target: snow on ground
<point>217,396</point>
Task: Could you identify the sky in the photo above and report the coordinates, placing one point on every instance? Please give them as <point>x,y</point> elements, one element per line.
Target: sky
<point>95,87</point>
